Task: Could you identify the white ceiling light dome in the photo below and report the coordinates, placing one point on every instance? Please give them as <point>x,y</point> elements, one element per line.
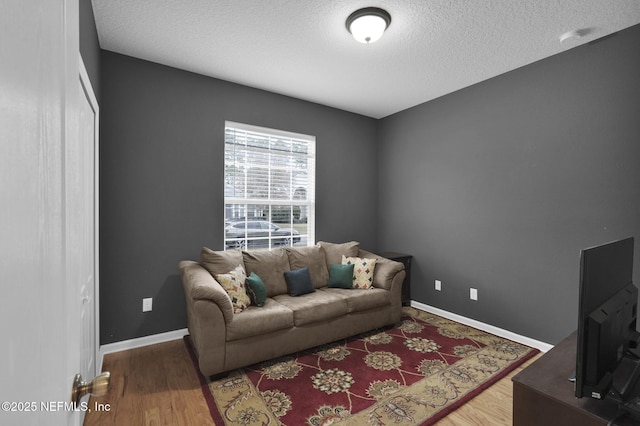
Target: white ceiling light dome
<point>367,25</point>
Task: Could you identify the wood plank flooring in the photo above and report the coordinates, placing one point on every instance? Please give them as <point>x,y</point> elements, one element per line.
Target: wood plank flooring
<point>152,385</point>
<point>157,385</point>
<point>491,407</point>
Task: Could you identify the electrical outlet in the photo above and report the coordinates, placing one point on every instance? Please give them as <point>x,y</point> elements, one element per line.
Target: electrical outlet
<point>473,294</point>
<point>147,304</point>
<point>438,285</point>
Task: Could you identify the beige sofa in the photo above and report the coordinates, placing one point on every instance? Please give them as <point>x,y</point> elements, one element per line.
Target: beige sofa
<point>285,324</point>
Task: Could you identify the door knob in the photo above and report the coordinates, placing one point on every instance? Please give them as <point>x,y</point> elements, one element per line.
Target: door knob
<point>96,387</point>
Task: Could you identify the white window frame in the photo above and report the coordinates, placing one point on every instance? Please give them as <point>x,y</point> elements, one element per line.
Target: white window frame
<point>238,151</point>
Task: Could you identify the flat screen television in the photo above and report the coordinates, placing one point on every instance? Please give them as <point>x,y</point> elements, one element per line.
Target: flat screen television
<point>606,318</point>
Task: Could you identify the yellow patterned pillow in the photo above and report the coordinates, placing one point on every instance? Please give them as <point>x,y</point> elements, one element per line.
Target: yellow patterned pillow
<point>362,271</point>
<point>234,284</point>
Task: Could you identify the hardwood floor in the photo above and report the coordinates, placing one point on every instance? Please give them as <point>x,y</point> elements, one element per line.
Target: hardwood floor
<point>491,407</point>
<point>157,385</point>
<point>152,385</point>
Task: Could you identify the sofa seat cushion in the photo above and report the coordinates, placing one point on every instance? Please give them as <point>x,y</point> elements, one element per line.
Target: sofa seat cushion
<point>314,307</point>
<point>360,300</point>
<point>256,320</point>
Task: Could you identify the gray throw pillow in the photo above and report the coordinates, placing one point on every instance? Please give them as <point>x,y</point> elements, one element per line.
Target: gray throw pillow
<point>299,282</point>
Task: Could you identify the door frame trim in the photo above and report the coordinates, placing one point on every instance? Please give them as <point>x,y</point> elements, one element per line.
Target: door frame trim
<point>85,81</point>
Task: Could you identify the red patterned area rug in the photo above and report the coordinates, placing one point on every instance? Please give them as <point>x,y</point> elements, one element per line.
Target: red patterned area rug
<point>414,373</point>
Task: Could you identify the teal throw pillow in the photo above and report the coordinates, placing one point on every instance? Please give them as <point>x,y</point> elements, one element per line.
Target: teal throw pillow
<point>255,289</point>
<point>340,276</point>
<point>299,282</point>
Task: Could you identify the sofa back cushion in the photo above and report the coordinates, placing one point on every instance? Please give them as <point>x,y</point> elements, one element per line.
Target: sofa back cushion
<point>333,252</point>
<point>312,258</point>
<point>220,262</point>
<point>270,266</point>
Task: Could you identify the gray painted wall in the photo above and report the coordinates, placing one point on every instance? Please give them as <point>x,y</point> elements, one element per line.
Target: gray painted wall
<point>161,191</point>
<point>498,186</point>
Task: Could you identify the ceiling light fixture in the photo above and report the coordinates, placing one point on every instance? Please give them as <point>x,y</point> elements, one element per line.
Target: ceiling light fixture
<point>367,25</point>
<point>575,34</point>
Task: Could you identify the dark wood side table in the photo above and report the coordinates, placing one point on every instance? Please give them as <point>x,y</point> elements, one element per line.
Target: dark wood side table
<point>543,395</point>
<point>406,285</point>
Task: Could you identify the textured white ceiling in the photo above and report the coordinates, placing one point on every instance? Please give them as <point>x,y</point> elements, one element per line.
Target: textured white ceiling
<point>301,48</point>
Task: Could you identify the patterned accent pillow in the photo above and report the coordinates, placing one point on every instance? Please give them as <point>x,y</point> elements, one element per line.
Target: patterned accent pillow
<point>234,284</point>
<point>362,271</point>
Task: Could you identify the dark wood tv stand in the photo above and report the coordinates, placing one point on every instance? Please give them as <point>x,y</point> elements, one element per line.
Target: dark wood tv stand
<point>543,394</point>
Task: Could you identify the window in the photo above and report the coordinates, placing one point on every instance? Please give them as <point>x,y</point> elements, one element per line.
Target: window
<point>269,187</point>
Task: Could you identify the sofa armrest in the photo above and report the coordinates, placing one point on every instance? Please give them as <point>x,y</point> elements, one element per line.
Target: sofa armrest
<point>385,271</point>
<point>199,284</point>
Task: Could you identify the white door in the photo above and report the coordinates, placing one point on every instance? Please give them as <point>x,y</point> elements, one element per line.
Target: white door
<point>39,116</point>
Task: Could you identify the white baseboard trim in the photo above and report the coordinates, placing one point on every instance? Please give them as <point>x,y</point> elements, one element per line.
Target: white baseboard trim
<point>542,346</point>
<point>178,334</point>
<point>139,342</point>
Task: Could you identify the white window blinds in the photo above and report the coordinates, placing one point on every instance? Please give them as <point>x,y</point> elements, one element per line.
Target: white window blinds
<point>269,193</point>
